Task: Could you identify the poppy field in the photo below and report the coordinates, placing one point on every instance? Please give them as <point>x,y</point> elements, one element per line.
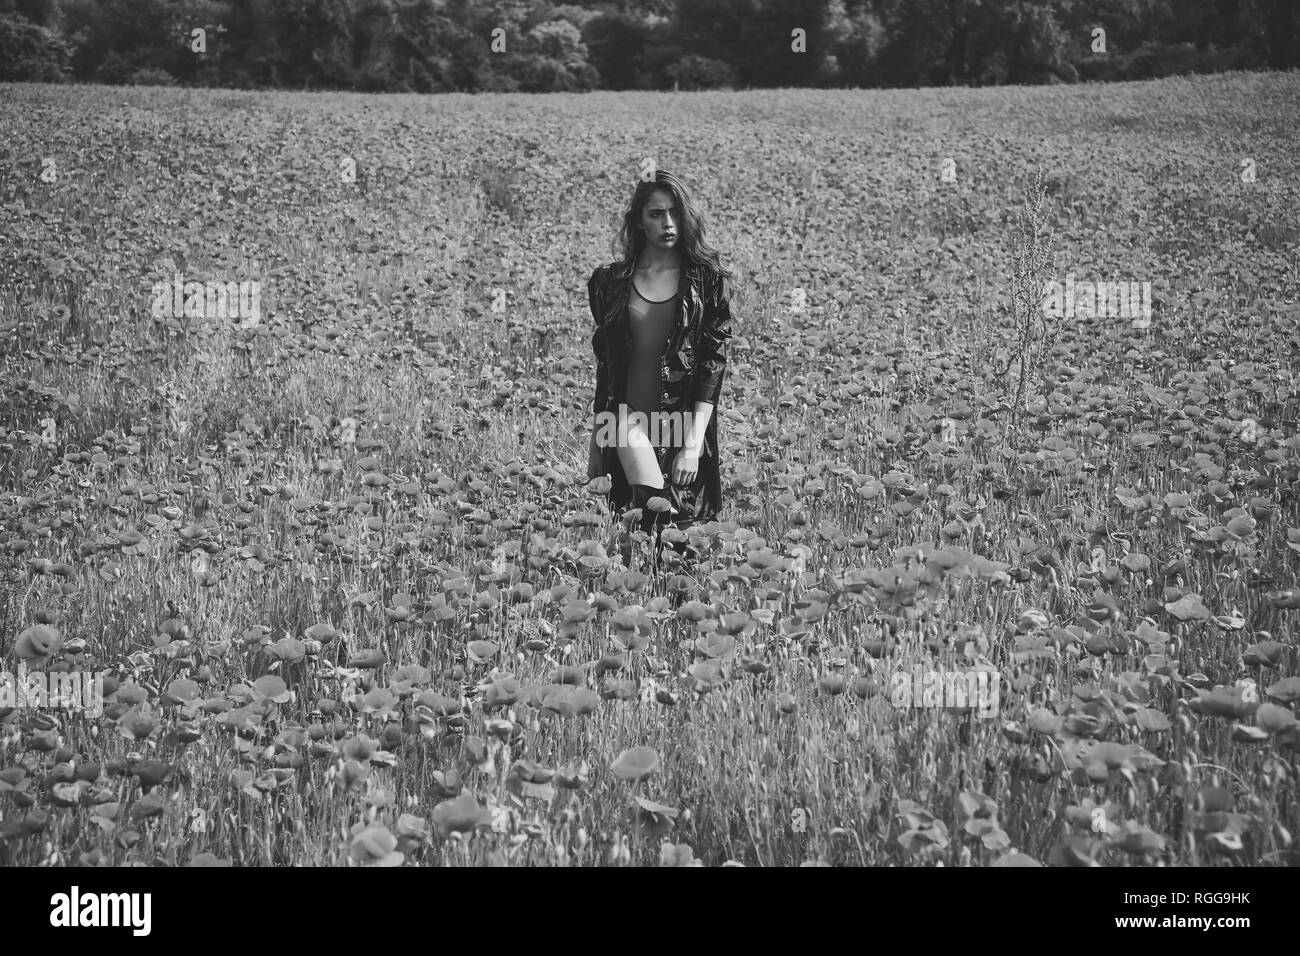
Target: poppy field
<point>293,436</point>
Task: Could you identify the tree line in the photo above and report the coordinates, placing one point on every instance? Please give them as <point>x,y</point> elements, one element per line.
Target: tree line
<point>432,46</point>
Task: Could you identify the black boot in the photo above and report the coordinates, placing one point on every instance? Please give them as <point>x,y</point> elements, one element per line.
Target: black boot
<point>652,522</point>
<point>689,554</point>
<point>641,494</point>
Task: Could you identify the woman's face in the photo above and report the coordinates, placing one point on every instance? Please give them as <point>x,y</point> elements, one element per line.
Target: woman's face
<point>659,219</point>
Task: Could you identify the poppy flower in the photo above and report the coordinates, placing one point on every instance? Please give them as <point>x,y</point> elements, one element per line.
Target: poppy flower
<point>677,854</point>
<point>462,814</point>
<point>633,764</point>
<point>374,845</point>
<point>37,643</point>
<point>569,701</point>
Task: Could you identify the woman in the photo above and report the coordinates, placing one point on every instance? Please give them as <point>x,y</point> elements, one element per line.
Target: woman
<point>663,318</point>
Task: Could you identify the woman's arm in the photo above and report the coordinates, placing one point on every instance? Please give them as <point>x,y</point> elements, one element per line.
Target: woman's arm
<point>715,330</point>
<point>594,300</point>
<point>593,294</point>
<point>602,371</point>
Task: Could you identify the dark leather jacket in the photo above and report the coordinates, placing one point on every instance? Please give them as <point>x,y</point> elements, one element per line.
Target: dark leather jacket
<point>691,366</point>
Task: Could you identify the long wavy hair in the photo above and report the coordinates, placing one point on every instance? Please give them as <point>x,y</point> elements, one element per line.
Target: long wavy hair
<point>690,228</point>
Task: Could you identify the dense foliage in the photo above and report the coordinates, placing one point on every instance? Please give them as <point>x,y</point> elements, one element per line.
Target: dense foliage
<point>452,45</point>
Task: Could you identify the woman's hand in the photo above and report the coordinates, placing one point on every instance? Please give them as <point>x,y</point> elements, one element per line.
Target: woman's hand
<point>685,467</point>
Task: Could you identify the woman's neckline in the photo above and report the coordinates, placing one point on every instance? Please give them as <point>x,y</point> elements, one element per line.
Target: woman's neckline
<point>654,301</point>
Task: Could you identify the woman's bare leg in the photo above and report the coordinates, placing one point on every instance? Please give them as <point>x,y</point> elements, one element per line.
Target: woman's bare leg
<point>637,454</point>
